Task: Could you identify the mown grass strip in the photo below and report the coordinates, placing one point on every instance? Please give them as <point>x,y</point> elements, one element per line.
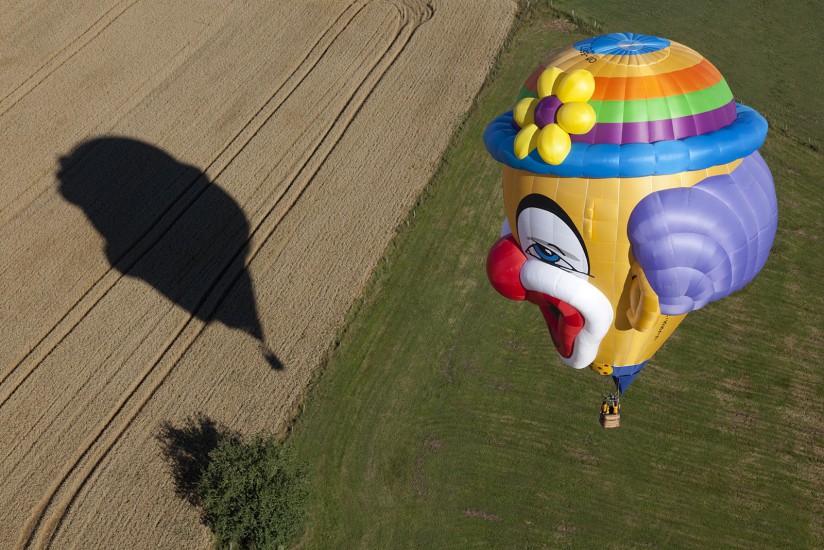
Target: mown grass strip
<point>445,420</point>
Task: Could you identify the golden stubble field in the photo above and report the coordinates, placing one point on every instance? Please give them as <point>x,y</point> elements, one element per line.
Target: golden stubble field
<point>193,195</point>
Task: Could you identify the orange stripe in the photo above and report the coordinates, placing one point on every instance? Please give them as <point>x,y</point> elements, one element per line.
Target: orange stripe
<point>684,81</point>
<point>691,79</point>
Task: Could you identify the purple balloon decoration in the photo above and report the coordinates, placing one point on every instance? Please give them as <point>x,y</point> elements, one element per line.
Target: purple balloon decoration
<point>699,244</point>
<point>546,110</point>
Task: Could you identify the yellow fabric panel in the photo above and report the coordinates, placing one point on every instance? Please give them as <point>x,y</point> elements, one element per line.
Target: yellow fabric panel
<point>674,58</point>
<point>571,193</point>
<point>600,209</point>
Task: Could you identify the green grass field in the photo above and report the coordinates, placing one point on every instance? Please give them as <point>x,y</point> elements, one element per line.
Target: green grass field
<point>444,418</point>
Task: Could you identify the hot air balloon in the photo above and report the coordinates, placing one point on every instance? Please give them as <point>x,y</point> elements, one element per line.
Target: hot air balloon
<point>634,194</point>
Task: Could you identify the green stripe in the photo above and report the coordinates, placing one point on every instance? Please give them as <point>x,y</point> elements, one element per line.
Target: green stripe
<point>659,108</point>
<point>663,108</point>
<point>525,92</point>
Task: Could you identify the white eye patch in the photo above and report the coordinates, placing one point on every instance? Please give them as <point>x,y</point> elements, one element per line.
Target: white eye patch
<point>558,266</point>
<point>547,236</point>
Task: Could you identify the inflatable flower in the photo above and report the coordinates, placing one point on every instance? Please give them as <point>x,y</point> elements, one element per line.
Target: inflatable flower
<point>560,110</point>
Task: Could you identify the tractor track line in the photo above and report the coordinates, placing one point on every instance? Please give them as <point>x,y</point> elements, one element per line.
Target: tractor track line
<point>59,58</point>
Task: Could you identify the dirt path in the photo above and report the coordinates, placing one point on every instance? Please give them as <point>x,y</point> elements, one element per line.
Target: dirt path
<point>194,194</point>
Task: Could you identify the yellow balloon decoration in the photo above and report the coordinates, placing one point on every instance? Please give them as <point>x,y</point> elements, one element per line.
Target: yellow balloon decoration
<point>526,141</point>
<point>553,144</point>
<point>524,111</point>
<point>576,117</point>
<point>547,81</point>
<point>577,85</point>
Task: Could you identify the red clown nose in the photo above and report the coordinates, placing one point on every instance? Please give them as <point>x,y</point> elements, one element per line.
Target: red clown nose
<point>503,267</point>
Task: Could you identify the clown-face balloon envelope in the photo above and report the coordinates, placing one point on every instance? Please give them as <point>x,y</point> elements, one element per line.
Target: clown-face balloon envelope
<point>634,193</point>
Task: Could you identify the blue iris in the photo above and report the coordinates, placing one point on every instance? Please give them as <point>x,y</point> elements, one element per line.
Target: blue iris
<point>548,255</point>
<point>545,254</point>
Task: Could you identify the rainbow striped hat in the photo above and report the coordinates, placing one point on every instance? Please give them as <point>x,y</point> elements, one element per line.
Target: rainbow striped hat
<point>624,105</point>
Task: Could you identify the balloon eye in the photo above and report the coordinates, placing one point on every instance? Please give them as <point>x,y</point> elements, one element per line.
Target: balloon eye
<point>551,257</point>
<point>543,253</point>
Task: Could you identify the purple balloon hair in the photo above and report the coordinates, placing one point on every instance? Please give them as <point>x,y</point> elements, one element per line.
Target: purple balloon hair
<point>699,244</point>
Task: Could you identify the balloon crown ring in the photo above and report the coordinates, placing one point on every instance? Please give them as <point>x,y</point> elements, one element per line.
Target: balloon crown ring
<point>560,110</point>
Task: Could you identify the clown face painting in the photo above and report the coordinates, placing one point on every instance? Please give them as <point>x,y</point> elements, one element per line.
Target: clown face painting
<point>634,193</point>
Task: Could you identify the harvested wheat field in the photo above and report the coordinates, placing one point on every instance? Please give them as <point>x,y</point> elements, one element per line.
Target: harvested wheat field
<point>193,195</point>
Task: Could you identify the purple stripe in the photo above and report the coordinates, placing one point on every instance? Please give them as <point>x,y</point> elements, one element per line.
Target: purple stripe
<point>618,133</point>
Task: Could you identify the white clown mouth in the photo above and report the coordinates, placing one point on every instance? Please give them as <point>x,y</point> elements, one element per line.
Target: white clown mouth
<point>577,314</point>
<point>548,265</point>
<point>556,276</point>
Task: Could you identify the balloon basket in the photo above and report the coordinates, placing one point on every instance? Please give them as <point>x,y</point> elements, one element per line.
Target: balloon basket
<point>612,420</point>
<point>611,411</point>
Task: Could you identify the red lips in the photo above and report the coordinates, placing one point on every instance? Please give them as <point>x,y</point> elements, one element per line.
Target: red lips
<point>503,266</point>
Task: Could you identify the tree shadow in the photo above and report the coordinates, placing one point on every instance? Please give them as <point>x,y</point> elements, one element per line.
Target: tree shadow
<point>165,223</point>
<point>186,450</point>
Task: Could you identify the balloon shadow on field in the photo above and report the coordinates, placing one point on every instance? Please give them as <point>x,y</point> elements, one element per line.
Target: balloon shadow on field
<point>166,224</point>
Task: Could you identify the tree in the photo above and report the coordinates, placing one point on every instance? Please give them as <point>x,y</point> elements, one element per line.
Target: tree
<point>253,495</point>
